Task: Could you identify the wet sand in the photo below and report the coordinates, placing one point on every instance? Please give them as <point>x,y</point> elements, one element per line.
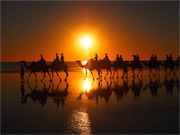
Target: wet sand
<point>86,106</point>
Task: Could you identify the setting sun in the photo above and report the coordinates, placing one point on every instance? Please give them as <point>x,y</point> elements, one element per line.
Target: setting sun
<point>86,41</point>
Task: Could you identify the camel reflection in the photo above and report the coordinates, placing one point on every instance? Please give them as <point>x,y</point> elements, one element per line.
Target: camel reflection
<point>59,95</point>
<point>136,87</point>
<point>98,93</point>
<point>41,95</point>
<point>120,90</point>
<point>153,85</point>
<point>169,83</point>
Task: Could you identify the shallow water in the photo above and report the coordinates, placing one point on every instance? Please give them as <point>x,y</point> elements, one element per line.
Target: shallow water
<point>86,106</point>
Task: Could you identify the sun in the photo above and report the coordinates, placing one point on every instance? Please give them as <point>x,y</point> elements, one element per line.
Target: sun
<point>86,41</point>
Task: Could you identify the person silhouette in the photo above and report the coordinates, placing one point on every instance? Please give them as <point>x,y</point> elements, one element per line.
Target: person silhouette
<point>57,57</point>
<point>170,57</point>
<point>152,58</point>
<point>62,57</point>
<point>120,58</point>
<point>155,58</point>
<point>22,73</point>
<point>106,57</point>
<point>137,58</point>
<point>96,57</point>
<point>41,59</point>
<point>117,57</point>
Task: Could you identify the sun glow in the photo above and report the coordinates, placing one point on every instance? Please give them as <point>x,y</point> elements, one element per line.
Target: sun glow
<point>86,41</point>
<point>87,85</point>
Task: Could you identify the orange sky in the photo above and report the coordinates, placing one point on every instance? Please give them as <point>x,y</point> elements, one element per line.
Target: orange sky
<point>30,29</point>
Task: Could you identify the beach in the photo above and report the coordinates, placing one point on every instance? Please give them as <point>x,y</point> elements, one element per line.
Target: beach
<point>136,105</point>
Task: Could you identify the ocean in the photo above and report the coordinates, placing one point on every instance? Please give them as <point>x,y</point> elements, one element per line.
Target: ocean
<point>133,105</point>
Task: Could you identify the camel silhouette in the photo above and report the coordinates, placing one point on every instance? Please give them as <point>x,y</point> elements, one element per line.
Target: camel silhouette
<point>36,67</point>
<point>168,65</point>
<point>58,66</point>
<point>120,90</point>
<point>120,65</point>
<point>152,65</point>
<point>92,65</point>
<point>135,65</point>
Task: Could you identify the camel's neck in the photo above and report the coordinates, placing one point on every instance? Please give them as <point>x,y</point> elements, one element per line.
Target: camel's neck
<point>80,64</point>
<point>25,65</point>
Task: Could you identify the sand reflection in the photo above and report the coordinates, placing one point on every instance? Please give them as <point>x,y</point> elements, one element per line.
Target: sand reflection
<point>79,122</point>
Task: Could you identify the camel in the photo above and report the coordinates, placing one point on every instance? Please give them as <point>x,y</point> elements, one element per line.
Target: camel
<point>168,65</point>
<point>57,66</point>
<point>36,67</point>
<point>120,65</point>
<point>152,65</point>
<point>136,65</point>
<point>91,65</point>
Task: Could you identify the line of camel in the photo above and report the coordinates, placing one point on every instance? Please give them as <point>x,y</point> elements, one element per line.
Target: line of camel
<point>55,66</point>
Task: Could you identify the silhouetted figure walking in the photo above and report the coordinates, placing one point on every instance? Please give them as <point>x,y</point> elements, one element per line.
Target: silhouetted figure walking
<point>22,73</point>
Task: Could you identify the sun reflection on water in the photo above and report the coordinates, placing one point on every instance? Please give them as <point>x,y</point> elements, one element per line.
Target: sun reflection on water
<point>87,85</point>
<point>79,122</point>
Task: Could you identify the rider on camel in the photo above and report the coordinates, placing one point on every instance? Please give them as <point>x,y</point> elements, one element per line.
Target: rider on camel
<point>57,57</point>
<point>117,57</point>
<point>62,57</point>
<point>106,57</point>
<point>96,58</point>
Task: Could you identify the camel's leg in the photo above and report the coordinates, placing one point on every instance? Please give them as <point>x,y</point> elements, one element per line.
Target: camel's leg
<point>110,72</point>
<point>141,72</point>
<point>29,76</point>
<point>58,75</point>
<point>35,76</point>
<point>44,76</point>
<point>92,74</point>
<point>133,72</point>
<point>106,74</point>
<point>49,76</point>
<point>116,72</point>
<point>99,73</point>
<point>158,70</point>
<point>66,75</point>
<point>52,74</point>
